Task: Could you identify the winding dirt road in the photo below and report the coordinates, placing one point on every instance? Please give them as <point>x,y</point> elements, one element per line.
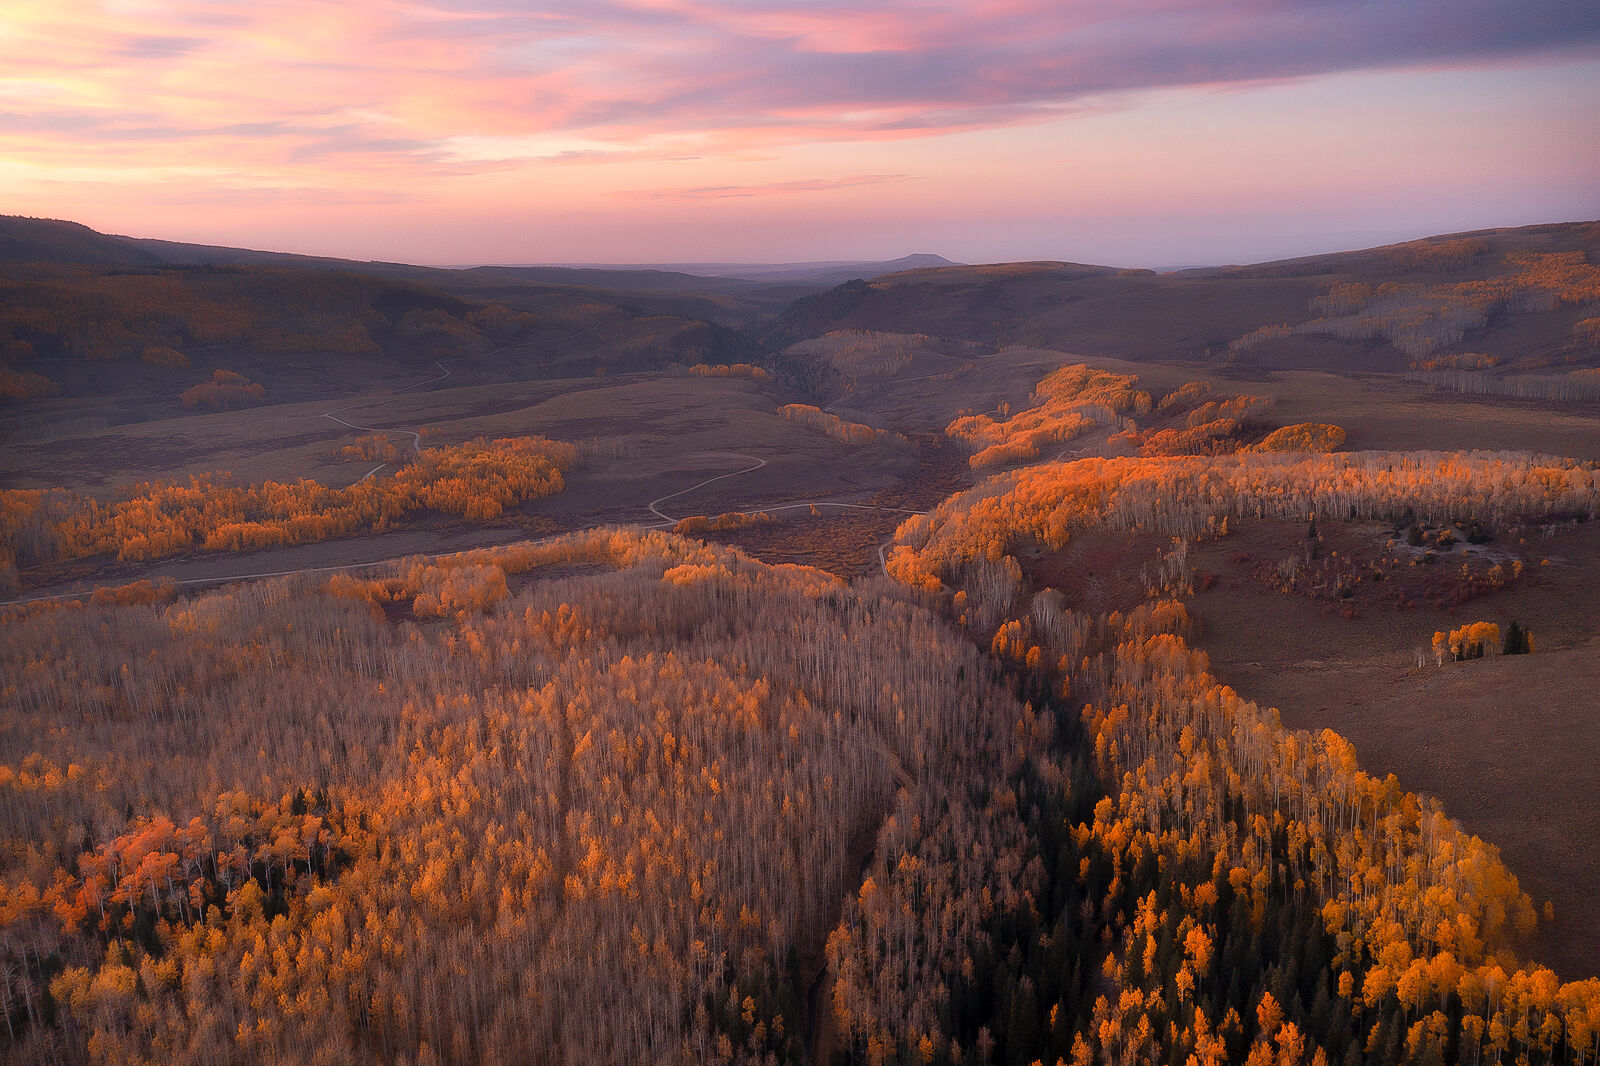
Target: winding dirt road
<point>415,435</point>
<point>652,505</point>
<point>811,504</point>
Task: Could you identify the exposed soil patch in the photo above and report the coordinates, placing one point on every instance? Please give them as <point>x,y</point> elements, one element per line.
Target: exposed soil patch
<point>1366,566</point>
<point>942,471</point>
<point>843,543</point>
<point>1099,571</point>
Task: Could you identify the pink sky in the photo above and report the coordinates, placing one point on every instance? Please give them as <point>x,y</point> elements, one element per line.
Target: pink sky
<point>1152,132</point>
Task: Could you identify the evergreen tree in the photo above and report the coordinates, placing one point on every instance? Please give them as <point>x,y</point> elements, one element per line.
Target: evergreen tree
<point>1516,641</point>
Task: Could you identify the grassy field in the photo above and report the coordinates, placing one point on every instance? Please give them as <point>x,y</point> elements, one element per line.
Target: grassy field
<point>1510,744</point>
<point>641,436</point>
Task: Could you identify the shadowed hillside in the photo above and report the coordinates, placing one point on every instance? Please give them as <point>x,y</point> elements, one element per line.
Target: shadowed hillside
<point>49,240</point>
<point>1522,297</point>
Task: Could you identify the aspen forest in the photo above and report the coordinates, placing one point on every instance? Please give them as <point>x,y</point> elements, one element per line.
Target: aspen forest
<point>502,727</point>
<point>790,816</point>
<point>476,479</point>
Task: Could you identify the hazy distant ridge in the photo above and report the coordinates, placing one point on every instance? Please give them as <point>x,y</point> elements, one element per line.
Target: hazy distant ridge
<point>41,240</point>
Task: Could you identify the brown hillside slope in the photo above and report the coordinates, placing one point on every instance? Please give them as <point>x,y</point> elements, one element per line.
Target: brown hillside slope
<point>1502,275</point>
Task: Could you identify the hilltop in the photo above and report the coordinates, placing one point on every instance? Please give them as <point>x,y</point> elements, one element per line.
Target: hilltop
<point>1516,295</point>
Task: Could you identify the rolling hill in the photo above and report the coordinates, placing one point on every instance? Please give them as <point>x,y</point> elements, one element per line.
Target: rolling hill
<point>1516,295</point>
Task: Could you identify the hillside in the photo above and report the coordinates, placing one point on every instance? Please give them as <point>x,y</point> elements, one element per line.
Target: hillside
<point>705,861</point>
<point>48,240</point>
<point>1517,296</point>
<point>730,294</point>
<point>102,340</point>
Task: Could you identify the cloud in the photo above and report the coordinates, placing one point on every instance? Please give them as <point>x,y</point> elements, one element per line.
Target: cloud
<point>768,63</point>
<point>349,140</point>
<point>778,188</point>
<point>308,83</point>
<point>157,47</point>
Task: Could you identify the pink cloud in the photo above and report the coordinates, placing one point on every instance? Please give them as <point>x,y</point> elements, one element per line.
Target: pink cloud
<point>703,104</point>
<point>777,188</point>
<point>713,69</point>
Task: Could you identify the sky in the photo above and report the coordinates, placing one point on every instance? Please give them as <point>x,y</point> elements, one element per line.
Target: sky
<point>1131,132</point>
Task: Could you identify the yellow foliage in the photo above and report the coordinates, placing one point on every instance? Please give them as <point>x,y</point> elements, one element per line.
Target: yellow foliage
<point>731,370</point>
<point>477,480</point>
<point>25,385</point>
<point>1068,402</point>
<point>163,356</point>
<point>833,425</point>
<point>1303,437</point>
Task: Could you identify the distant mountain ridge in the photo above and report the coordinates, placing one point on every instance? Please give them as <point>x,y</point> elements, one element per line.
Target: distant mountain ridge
<point>1268,316</point>
<point>835,271</point>
<point>51,240</point>
<point>42,240</point>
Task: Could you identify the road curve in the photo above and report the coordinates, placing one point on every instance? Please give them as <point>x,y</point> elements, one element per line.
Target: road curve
<point>415,435</point>
<point>667,522</point>
<point>655,510</point>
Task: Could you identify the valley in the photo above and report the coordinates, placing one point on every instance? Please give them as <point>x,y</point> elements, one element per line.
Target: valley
<point>1007,663</point>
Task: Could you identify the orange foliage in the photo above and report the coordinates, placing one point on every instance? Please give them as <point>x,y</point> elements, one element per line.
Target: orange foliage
<point>1462,361</point>
<point>1259,336</point>
<point>1303,437</point>
<point>861,353</point>
<point>160,590</point>
<point>1586,332</point>
<point>833,425</point>
<point>1466,642</point>
<point>446,587</point>
<point>1212,428</point>
<point>224,391</point>
<point>1188,394</point>
<point>1421,914</point>
<point>1047,505</point>
<point>1068,402</point>
<point>1433,255</point>
<point>1419,318</point>
<point>1205,438</point>
<point>371,447</point>
<point>25,385</point>
<point>729,520</point>
<point>346,835</point>
<point>162,356</point>
<point>476,480</point>
<point>731,370</point>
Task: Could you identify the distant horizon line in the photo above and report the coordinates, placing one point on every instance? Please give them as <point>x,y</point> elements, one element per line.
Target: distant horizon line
<point>724,267</point>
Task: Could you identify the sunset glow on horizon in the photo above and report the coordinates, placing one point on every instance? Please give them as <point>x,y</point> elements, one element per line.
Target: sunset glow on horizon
<point>1148,132</point>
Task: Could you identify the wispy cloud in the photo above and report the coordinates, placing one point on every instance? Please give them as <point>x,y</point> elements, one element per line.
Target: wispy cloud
<point>137,47</point>
<point>584,108</point>
<point>776,188</point>
<point>714,72</point>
